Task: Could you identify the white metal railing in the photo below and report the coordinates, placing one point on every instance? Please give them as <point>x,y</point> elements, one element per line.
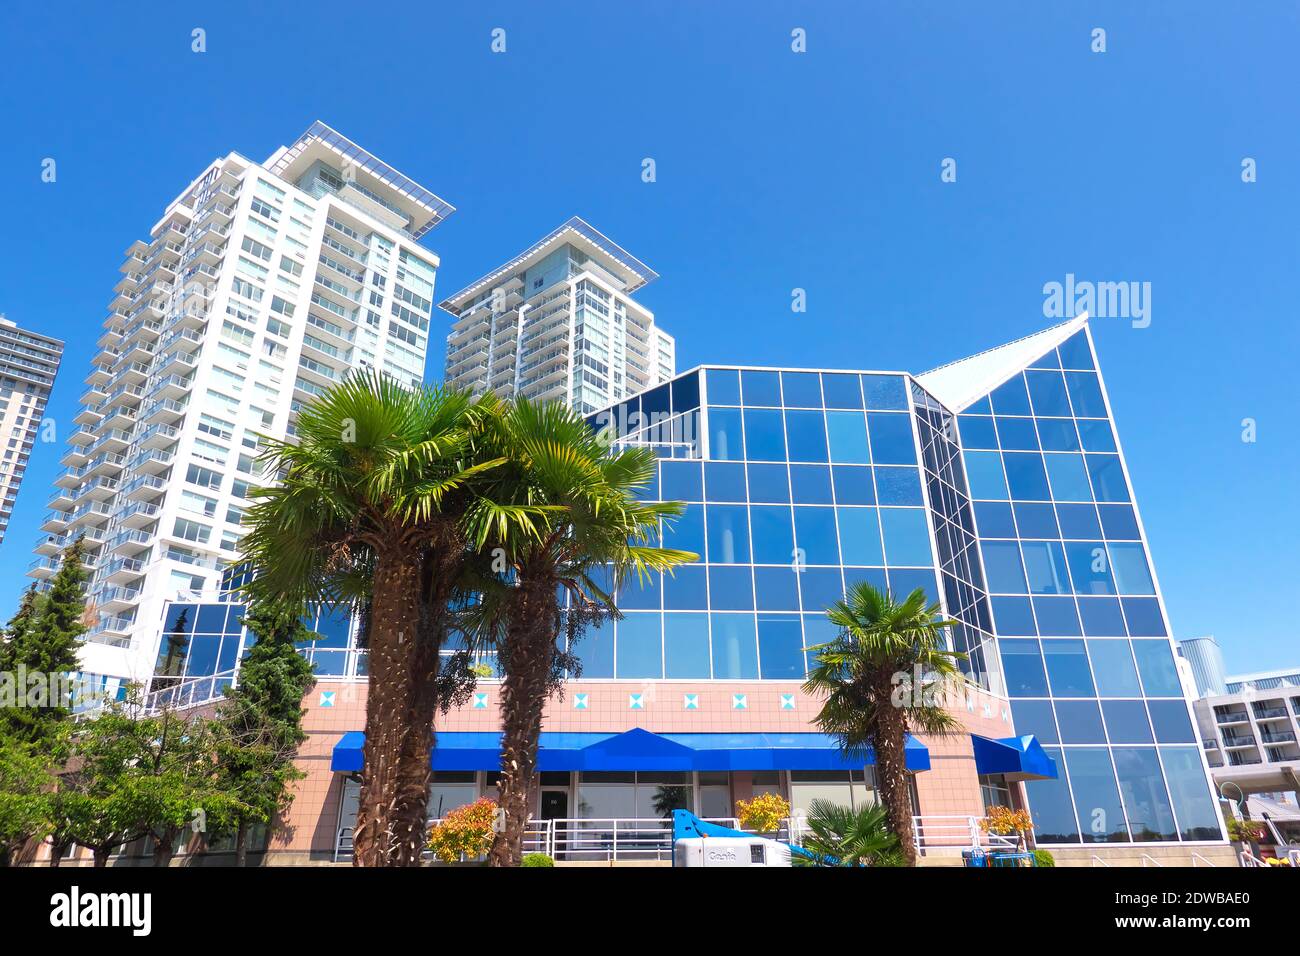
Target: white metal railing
<point>1098,861</point>
<point>1150,861</point>
<point>1249,860</point>
<point>952,834</point>
<point>193,692</point>
<point>1198,860</point>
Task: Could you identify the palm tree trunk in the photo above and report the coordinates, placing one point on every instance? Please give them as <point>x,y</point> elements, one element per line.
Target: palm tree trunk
<point>400,709</point>
<point>531,644</point>
<point>891,777</point>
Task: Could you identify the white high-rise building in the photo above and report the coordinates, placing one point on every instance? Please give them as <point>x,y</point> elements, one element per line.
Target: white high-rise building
<point>557,322</point>
<point>28,363</point>
<point>261,285</point>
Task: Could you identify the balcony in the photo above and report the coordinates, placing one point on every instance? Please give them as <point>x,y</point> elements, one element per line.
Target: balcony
<point>1278,736</point>
<point>140,514</point>
<point>123,571</point>
<point>1234,717</point>
<point>1238,741</point>
<point>56,521</point>
<point>117,599</point>
<point>1271,713</point>
<point>165,411</point>
<point>169,387</point>
<point>158,436</point>
<point>129,542</point>
<point>43,568</point>
<point>143,488</point>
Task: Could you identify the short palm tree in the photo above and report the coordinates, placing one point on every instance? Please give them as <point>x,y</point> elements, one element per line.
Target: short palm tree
<point>367,506</point>
<point>872,701</point>
<point>562,513</point>
<point>841,836</point>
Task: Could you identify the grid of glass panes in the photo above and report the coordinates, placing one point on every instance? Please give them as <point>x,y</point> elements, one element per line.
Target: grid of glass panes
<point>809,480</point>
<point>203,639</point>
<point>954,534</point>
<point>665,418</point>
<point>1084,645</point>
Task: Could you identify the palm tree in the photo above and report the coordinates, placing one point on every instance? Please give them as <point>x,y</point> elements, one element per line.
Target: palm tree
<point>368,508</point>
<point>558,516</point>
<point>850,837</point>
<point>872,701</point>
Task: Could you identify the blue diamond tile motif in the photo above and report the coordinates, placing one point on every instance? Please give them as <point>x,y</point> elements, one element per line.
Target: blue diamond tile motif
<point>691,701</point>
<point>579,701</point>
<point>636,701</point>
<point>787,701</point>
<point>480,701</point>
<point>740,702</point>
<point>327,698</point>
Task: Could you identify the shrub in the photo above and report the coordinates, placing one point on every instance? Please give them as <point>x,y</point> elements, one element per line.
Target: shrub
<point>1004,821</point>
<point>1246,831</point>
<point>1043,858</point>
<point>764,813</point>
<point>464,833</point>
<point>536,859</point>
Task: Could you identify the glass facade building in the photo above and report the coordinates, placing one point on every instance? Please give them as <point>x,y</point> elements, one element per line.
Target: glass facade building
<point>996,485</point>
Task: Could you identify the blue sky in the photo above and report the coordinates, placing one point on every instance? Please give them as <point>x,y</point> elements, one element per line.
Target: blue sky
<point>775,171</point>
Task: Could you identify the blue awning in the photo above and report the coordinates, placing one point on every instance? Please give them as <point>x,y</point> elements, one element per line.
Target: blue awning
<point>639,749</point>
<point>1019,758</point>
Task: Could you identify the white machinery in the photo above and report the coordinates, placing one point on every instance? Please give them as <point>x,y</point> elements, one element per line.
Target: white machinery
<point>730,851</point>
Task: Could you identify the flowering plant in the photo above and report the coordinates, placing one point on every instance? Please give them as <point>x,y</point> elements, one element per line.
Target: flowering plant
<point>764,813</point>
<point>1004,820</point>
<point>465,833</point>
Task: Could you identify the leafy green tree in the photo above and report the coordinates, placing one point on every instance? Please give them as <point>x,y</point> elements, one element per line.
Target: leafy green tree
<point>131,774</point>
<point>841,836</point>
<point>26,779</point>
<point>259,724</point>
<point>562,514</point>
<point>43,639</point>
<point>872,699</point>
<point>368,507</point>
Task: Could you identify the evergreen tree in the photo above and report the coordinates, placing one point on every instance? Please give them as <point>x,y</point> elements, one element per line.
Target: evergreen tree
<point>43,639</point>
<point>260,722</point>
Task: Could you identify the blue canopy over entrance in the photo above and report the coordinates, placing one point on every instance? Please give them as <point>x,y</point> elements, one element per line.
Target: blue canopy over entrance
<point>639,749</point>
<point>1019,758</point>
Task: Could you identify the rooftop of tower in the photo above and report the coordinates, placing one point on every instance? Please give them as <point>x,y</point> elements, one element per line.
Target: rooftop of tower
<point>400,193</point>
<point>578,233</point>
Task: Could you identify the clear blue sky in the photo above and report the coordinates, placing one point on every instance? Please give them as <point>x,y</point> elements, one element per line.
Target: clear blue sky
<point>775,171</point>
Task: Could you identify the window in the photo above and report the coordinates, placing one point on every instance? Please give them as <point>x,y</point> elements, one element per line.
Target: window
<point>192,531</point>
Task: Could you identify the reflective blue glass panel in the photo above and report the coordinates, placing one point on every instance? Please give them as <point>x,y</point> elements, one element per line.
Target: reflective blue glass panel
<point>819,588</point>
<point>773,534</point>
<point>1156,668</point>
<point>686,589</point>
<point>1197,819</point>
<point>1112,664</point>
<point>977,431</point>
<point>1080,722</point>
<point>811,484</point>
<point>841,390</point>
<point>681,480</point>
<point>1101,617</point>
<point>761,388</point>
<point>985,475</point>
<point>1026,476</point>
<point>731,588</point>
<point>907,540</point>
<point>806,435</point>
<point>814,535</point>
<point>1085,395</point>
<point>1132,576</point>
<point>1142,786</point>
<point>1068,477</point>
<point>686,646</point>
<point>994,519</point>
<point>1096,796</point>
<point>769,483</point>
<point>1075,352</point>
<point>776,589</point>
<point>639,646</point>
<point>1056,617</point>
<point>726,442</point>
<point>1045,567</point>
<point>724,481</point>
<point>1108,482</point>
<point>1143,617</point>
<point>1014,616</point>
<point>1126,721</point>
<point>1047,393</point>
<point>801,389</point>
<point>860,536</point>
<point>853,485</point>
<point>1079,521</point>
<point>1067,668</point>
<point>728,534</point>
<point>1017,434</point>
<point>1023,666</point>
<point>735,647</point>
<point>723,385</point>
<point>1089,567</point>
<point>884,392</point>
<point>847,434</point>
<point>1051,807</point>
<point>1035,717</point>
<point>764,434</point>
<point>1058,434</point>
<point>1011,398</point>
<point>1002,568</point>
<point>1171,723</point>
<point>891,439</point>
<point>1119,522</point>
<point>686,531</point>
<point>780,647</point>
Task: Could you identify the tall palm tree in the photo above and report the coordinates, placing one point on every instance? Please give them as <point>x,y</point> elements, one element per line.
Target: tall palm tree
<point>867,676</point>
<point>561,514</point>
<point>367,506</point>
